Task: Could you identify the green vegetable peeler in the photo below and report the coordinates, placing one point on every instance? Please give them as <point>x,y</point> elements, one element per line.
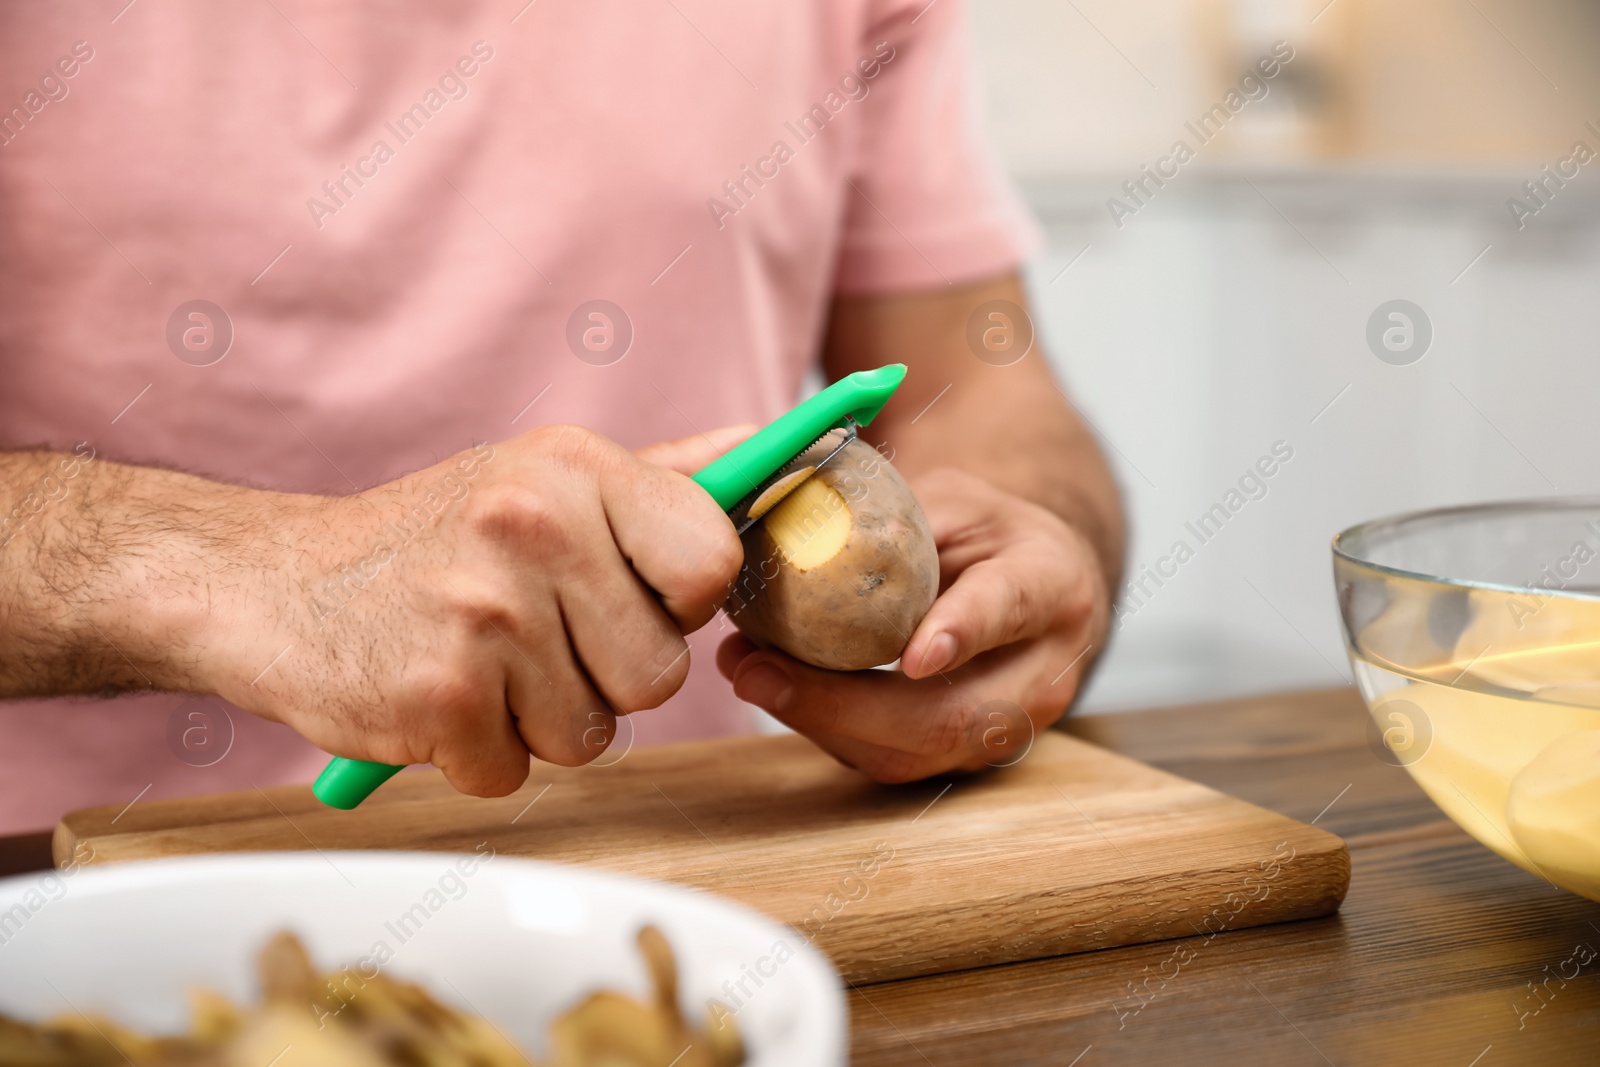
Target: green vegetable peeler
<point>746,481</point>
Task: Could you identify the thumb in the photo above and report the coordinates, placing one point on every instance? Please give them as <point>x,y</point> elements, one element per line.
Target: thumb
<point>688,454</point>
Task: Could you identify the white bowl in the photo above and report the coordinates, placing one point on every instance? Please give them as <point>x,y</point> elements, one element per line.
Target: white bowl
<point>514,940</point>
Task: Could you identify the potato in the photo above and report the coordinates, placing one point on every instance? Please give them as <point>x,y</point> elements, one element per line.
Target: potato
<point>307,1019</point>
<point>840,572</point>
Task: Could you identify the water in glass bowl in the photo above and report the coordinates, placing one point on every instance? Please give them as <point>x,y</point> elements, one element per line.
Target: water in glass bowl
<point>1490,697</point>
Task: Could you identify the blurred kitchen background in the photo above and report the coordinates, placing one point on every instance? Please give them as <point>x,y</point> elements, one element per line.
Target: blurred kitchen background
<point>1229,312</point>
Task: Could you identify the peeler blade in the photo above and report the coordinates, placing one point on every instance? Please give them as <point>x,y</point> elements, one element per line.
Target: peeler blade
<point>748,511</point>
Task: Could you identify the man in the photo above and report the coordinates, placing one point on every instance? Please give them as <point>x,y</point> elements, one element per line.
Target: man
<point>424,274</point>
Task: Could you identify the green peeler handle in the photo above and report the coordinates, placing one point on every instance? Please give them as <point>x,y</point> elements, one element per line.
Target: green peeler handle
<point>344,783</point>
<point>729,478</point>
<point>735,474</point>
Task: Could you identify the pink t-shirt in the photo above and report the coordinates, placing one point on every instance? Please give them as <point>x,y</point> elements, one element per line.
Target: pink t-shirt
<point>313,246</point>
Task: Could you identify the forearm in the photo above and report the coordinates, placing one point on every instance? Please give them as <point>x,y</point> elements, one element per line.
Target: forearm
<point>507,601</point>
<point>1011,425</point>
<point>111,575</point>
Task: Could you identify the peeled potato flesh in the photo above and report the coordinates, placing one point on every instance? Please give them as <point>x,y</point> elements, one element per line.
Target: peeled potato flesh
<point>1553,807</point>
<point>839,573</point>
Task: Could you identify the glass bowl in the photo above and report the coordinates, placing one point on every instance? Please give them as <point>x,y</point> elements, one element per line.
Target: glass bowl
<point>1474,633</point>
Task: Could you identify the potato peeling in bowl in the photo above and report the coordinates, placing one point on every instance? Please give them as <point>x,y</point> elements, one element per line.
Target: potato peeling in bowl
<point>385,1023</point>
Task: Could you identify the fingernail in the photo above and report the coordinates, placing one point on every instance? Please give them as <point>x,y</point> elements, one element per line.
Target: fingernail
<point>765,686</point>
<point>938,653</point>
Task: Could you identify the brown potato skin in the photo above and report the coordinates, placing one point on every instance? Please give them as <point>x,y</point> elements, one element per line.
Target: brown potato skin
<point>860,608</point>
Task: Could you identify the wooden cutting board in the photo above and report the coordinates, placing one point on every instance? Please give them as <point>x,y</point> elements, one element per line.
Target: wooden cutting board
<point>1074,848</point>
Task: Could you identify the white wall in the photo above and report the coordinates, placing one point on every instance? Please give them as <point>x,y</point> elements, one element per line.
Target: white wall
<point>1211,326</point>
<point>1225,315</point>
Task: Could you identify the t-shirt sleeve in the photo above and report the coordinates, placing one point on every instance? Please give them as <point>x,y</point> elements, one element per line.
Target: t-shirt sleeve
<point>927,204</point>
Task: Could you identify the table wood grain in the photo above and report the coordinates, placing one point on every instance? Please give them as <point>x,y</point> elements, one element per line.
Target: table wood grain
<point>1442,954</point>
<point>1432,960</point>
<point>889,882</point>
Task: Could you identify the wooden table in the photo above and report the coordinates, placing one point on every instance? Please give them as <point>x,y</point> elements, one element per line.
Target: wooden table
<point>1433,960</point>
<point>1429,961</point>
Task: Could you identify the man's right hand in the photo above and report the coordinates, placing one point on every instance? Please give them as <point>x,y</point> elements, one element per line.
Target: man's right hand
<point>511,600</point>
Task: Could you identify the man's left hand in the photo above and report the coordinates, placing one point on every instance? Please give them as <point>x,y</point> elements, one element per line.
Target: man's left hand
<point>1023,602</point>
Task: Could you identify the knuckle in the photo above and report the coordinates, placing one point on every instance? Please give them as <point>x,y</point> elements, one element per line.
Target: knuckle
<point>519,515</point>
<point>658,678</point>
<point>555,438</point>
<point>490,781</point>
<point>450,694</point>
<point>475,615</point>
<point>599,729</point>
<point>1006,600</point>
<point>832,714</point>
<point>580,448</point>
<point>633,694</point>
<point>574,740</point>
<point>1018,607</point>
<point>951,730</point>
<point>704,570</point>
<point>724,555</point>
